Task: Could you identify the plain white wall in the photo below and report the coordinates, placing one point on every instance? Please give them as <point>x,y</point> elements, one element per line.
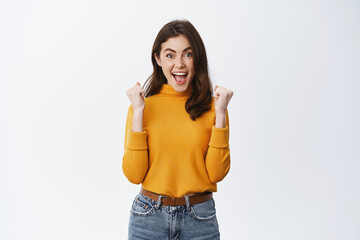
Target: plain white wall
<point>294,67</point>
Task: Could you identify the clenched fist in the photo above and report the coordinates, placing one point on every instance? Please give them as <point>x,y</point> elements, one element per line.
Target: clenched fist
<point>136,97</point>
<point>222,99</point>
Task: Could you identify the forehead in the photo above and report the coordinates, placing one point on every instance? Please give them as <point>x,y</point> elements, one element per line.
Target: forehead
<point>178,43</point>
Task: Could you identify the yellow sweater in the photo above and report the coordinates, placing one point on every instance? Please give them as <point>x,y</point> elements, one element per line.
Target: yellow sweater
<point>174,155</point>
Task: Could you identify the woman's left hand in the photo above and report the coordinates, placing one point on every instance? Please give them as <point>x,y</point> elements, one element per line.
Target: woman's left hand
<point>222,99</point>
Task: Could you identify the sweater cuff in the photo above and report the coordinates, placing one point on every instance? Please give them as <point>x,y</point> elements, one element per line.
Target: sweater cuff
<point>137,140</point>
<point>219,137</point>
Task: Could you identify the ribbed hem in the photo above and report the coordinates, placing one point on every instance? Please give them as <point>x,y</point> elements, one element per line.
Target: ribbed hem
<point>137,140</point>
<point>219,137</point>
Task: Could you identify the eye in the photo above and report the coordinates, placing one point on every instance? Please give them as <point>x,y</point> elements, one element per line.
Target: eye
<point>169,55</point>
<point>189,54</point>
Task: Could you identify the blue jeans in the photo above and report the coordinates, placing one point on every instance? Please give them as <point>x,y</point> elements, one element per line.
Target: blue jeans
<point>153,222</point>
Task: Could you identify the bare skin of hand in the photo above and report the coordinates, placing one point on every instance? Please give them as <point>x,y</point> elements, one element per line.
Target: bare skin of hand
<point>136,97</point>
<point>222,98</point>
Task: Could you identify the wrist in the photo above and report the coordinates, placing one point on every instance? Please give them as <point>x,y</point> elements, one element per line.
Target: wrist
<point>137,121</point>
<point>138,111</point>
<point>220,111</point>
<point>220,120</point>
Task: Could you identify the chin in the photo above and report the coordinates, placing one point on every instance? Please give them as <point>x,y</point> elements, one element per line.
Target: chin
<point>180,88</point>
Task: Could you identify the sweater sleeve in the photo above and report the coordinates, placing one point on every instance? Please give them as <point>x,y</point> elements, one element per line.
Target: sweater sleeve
<point>217,159</point>
<point>135,159</point>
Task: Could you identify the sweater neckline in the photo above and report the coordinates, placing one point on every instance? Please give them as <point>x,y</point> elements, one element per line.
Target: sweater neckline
<point>167,89</point>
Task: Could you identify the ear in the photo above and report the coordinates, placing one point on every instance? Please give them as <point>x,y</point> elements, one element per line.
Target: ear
<point>157,59</point>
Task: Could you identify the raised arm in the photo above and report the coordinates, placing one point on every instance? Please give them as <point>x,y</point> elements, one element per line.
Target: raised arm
<point>135,159</point>
<point>217,159</point>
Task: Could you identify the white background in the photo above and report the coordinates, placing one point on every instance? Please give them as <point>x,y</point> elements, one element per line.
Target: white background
<point>294,67</point>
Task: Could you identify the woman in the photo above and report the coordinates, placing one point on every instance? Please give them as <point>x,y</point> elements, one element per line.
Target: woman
<point>176,141</point>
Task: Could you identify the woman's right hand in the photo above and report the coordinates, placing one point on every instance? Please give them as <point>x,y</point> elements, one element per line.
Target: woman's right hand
<point>136,97</point>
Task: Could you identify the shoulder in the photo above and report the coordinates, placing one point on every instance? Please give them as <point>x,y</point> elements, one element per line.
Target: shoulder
<point>212,104</point>
<point>151,99</point>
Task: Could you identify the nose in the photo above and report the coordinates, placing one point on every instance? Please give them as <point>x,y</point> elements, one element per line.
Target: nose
<point>179,62</point>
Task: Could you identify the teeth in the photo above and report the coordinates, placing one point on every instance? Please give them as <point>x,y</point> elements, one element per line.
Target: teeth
<point>180,74</point>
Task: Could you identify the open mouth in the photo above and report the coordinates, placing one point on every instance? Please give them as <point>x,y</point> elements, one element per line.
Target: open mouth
<point>180,77</point>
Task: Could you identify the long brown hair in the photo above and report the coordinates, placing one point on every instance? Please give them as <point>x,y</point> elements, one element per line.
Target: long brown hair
<point>200,99</point>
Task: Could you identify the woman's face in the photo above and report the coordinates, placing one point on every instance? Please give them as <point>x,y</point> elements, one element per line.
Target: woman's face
<point>176,61</point>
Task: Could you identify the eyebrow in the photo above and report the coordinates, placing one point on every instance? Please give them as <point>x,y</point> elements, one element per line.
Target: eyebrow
<point>171,50</point>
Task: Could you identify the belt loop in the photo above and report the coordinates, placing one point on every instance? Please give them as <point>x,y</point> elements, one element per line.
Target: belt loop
<point>158,204</point>
<point>187,203</point>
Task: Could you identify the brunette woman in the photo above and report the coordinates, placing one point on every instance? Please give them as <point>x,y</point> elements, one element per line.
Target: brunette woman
<point>176,141</point>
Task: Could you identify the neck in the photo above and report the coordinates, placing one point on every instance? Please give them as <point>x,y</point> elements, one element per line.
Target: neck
<point>169,90</point>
